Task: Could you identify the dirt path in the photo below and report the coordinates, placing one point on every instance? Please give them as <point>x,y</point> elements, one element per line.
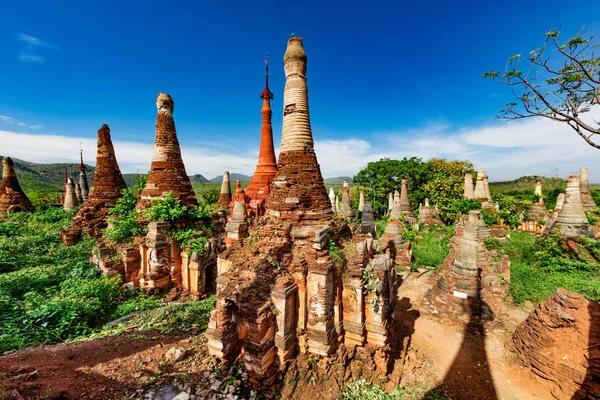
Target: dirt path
<point>472,362</point>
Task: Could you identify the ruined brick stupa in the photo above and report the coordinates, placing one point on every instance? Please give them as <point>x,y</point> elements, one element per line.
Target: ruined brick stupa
<point>538,210</point>
<point>167,171</point>
<point>104,193</point>
<point>468,186</point>
<point>71,200</point>
<point>259,187</point>
<point>572,221</point>
<point>584,187</point>
<point>225,194</point>
<point>470,283</point>
<point>482,190</point>
<point>558,342</point>
<point>405,206</point>
<point>429,215</point>
<point>279,293</point>
<point>83,182</point>
<point>12,197</point>
<point>345,206</point>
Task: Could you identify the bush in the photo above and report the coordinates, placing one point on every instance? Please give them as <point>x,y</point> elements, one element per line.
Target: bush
<point>490,218</point>
<point>191,239</point>
<point>538,269</point>
<point>431,249</point>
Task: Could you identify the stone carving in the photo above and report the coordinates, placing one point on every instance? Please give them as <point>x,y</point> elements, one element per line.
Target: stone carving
<point>12,197</point>
<point>167,171</point>
<point>571,220</point>
<point>225,195</point>
<point>584,187</point>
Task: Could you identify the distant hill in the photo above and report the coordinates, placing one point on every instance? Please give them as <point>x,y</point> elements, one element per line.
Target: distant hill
<point>232,178</point>
<point>338,181</point>
<point>198,178</point>
<point>38,180</point>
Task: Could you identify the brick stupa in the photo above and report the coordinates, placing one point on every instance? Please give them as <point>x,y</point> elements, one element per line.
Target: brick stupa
<point>468,186</point>
<point>278,291</point>
<point>258,189</point>
<point>405,206</point>
<point>12,197</point>
<point>225,194</point>
<point>538,210</point>
<point>572,221</point>
<point>470,276</point>
<point>83,182</point>
<point>584,188</point>
<point>297,192</point>
<point>167,171</point>
<point>104,193</point>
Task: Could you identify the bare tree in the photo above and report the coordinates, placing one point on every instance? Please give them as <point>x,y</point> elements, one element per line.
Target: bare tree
<point>559,89</point>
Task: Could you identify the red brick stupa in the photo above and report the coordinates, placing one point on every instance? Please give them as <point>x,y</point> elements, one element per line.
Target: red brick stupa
<point>266,169</point>
<point>104,193</point>
<point>12,197</point>
<point>167,171</point>
<point>297,192</point>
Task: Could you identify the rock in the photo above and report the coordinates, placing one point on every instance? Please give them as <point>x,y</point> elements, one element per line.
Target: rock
<point>175,354</point>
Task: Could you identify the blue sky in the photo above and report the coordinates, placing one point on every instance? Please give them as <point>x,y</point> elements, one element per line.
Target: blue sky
<point>395,79</point>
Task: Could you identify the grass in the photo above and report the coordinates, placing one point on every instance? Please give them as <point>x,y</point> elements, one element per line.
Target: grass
<point>49,292</point>
<point>430,249</point>
<point>537,271</point>
<point>363,389</point>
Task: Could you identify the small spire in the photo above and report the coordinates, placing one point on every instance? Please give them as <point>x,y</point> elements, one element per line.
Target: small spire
<point>81,165</point>
<point>266,94</point>
<point>66,176</point>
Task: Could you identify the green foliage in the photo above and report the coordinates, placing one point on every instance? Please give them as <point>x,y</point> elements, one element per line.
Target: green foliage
<point>193,240</point>
<point>363,389</point>
<point>592,218</point>
<point>169,209</point>
<point>431,248</point>
<point>49,292</point>
<point>447,185</point>
<point>409,233</point>
<point>492,243</point>
<point>382,177</point>
<point>209,197</point>
<point>184,316</point>
<point>32,239</point>
<point>537,269</point>
<point>511,209</point>
<point>337,255</point>
<point>490,218</point>
<point>124,223</point>
<point>463,205</point>
<point>166,209</point>
<point>380,226</point>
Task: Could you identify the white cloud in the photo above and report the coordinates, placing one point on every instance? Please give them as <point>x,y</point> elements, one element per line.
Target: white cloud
<point>504,150</point>
<point>5,120</point>
<point>32,45</point>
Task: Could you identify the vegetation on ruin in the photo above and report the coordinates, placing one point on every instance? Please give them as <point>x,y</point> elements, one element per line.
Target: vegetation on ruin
<point>364,389</point>
<point>49,292</point>
<point>123,220</point>
<point>539,266</point>
<point>561,91</point>
<point>430,249</point>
